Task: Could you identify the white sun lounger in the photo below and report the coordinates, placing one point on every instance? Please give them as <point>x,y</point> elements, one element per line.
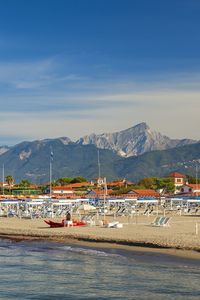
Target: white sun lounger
<point>114,224</point>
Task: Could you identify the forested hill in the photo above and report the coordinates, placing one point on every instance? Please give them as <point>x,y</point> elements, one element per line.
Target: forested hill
<point>184,159</point>
<point>31,160</point>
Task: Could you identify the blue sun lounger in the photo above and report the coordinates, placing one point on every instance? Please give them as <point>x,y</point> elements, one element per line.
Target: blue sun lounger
<point>161,221</point>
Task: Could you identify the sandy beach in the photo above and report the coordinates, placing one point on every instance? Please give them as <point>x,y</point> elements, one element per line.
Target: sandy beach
<point>180,238</point>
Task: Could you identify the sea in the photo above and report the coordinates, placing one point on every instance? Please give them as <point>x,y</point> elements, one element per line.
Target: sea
<point>47,270</point>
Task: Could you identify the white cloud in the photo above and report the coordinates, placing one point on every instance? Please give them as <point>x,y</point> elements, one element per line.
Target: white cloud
<point>174,113</point>
<point>74,105</point>
<point>35,74</point>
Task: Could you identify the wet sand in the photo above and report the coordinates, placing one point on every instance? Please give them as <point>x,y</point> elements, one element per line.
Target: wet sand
<point>181,238</point>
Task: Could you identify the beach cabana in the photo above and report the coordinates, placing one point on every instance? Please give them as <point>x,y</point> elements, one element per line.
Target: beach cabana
<point>9,208</point>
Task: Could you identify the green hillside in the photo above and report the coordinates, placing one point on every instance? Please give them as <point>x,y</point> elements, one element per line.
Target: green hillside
<point>68,161</point>
<point>160,163</point>
<point>31,160</point>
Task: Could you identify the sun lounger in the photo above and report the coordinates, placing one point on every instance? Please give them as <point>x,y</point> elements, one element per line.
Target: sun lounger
<point>119,225</point>
<point>156,221</point>
<point>145,212</point>
<point>90,220</point>
<point>166,221</point>
<point>121,211</point>
<point>114,224</point>
<point>161,221</point>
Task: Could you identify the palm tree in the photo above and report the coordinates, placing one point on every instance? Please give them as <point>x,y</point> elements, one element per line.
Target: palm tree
<point>9,180</point>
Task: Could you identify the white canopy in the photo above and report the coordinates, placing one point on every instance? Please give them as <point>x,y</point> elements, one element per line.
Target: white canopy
<point>86,207</point>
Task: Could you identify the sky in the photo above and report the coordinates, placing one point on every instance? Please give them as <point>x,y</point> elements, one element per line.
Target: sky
<point>74,67</point>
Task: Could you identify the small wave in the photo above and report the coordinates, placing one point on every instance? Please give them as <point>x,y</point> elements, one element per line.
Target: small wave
<point>90,251</point>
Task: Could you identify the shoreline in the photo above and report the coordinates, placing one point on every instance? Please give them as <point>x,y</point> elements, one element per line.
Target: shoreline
<point>179,239</point>
<point>131,246</point>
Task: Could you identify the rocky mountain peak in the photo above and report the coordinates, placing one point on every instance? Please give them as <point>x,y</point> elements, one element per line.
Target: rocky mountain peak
<point>133,141</point>
<point>141,126</point>
<point>65,140</point>
<point>4,149</point>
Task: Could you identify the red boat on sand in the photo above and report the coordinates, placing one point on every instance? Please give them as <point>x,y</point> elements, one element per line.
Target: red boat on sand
<point>53,224</point>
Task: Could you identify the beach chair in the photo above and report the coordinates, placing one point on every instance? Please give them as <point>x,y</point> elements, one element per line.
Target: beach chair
<point>111,224</point>
<point>156,221</point>
<point>161,221</point>
<point>150,211</point>
<point>119,225</point>
<point>120,211</point>
<point>145,212</point>
<point>90,220</point>
<point>166,221</point>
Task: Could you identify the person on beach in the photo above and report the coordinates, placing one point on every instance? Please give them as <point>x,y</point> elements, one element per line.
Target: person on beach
<point>68,222</point>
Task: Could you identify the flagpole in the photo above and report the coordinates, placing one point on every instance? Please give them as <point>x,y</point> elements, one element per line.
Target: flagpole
<point>3,180</point>
<point>196,181</point>
<point>50,173</point>
<point>104,198</point>
<point>99,166</point>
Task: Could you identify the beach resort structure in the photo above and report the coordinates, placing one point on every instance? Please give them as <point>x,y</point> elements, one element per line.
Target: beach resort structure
<point>139,217</point>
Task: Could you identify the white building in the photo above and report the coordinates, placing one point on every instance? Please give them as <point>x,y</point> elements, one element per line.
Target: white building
<point>190,188</point>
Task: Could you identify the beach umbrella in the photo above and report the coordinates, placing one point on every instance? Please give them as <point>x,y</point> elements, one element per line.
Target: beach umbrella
<point>86,207</point>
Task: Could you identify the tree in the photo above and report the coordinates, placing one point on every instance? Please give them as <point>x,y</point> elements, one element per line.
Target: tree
<point>9,180</point>
<point>78,179</point>
<point>165,184</point>
<point>193,180</point>
<point>122,190</point>
<point>63,181</point>
<point>148,182</point>
<point>24,183</point>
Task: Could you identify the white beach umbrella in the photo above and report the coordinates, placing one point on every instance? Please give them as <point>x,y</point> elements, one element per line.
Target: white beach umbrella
<point>86,207</point>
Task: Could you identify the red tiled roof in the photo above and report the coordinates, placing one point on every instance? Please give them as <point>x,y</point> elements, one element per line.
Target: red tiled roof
<point>194,185</point>
<point>176,175</point>
<point>101,192</point>
<point>116,183</point>
<point>146,192</point>
<point>61,188</point>
<point>78,185</point>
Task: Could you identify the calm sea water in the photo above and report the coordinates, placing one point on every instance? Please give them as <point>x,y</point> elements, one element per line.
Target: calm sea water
<point>43,270</point>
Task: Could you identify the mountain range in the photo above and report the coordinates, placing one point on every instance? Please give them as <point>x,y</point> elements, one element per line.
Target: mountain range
<point>133,141</point>
<point>133,153</point>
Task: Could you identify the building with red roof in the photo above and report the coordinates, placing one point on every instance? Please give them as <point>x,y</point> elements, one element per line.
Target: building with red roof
<point>145,193</point>
<point>62,190</point>
<point>78,185</point>
<point>190,188</point>
<point>119,183</point>
<point>178,178</point>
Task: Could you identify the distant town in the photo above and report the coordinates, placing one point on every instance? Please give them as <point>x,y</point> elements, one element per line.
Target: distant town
<point>70,188</point>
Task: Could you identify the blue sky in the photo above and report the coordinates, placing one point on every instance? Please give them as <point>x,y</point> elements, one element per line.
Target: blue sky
<point>73,67</point>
